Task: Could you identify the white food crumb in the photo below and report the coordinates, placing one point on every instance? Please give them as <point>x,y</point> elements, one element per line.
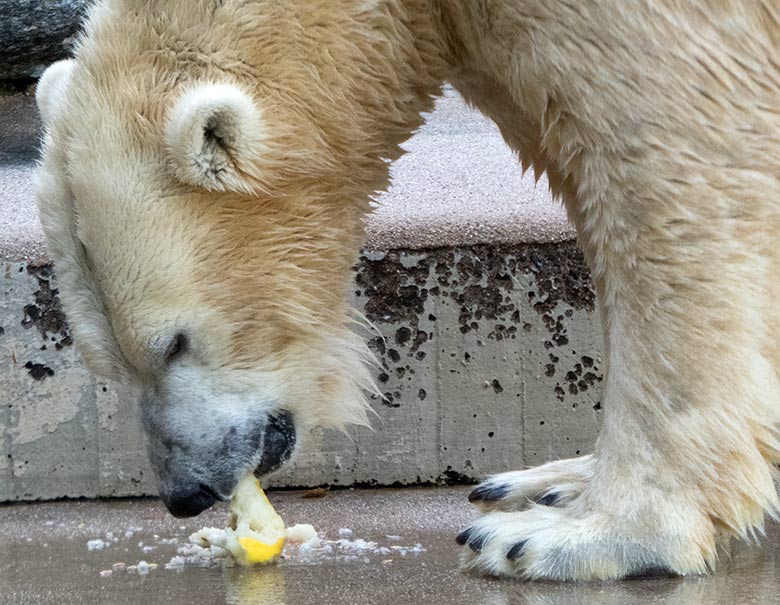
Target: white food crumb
<point>358,545</point>
<point>176,563</point>
<point>302,533</point>
<point>96,544</point>
<point>106,573</point>
<point>109,535</point>
<point>149,548</point>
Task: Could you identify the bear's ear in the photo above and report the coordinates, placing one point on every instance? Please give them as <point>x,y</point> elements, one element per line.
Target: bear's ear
<point>215,137</point>
<point>51,87</point>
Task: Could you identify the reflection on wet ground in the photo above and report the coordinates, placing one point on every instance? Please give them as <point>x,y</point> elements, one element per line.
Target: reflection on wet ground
<point>46,558</point>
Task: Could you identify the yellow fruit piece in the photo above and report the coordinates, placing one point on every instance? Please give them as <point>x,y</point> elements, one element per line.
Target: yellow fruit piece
<point>257,552</point>
<point>255,534</point>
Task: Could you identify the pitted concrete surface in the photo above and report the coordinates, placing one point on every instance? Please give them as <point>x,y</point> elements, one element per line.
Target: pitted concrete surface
<point>46,559</point>
<point>459,184</point>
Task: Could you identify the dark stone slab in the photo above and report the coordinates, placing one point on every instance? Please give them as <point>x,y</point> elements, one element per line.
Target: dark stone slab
<point>19,129</point>
<point>35,33</point>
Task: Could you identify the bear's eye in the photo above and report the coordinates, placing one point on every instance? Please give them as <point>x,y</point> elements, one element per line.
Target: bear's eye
<point>176,347</point>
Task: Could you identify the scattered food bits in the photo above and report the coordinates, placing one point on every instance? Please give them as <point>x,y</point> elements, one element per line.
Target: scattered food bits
<point>176,563</point>
<point>358,544</point>
<point>317,492</point>
<point>96,544</point>
<point>302,533</point>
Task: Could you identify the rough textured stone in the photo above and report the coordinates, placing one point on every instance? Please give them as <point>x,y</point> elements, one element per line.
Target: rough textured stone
<point>19,129</point>
<point>35,34</point>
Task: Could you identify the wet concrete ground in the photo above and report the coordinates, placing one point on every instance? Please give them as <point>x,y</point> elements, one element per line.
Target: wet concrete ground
<point>45,558</point>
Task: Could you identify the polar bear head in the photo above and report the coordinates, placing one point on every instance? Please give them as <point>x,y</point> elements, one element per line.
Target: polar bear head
<point>201,193</point>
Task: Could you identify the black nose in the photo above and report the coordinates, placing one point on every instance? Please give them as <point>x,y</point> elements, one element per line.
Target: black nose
<point>190,503</point>
<point>278,443</point>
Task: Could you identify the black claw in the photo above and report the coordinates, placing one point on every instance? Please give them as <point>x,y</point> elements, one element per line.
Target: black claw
<point>476,543</point>
<point>549,499</point>
<point>487,493</point>
<point>516,551</point>
<point>463,536</point>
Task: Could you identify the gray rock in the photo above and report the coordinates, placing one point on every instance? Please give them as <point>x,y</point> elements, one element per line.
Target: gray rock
<point>35,33</point>
<point>20,129</point>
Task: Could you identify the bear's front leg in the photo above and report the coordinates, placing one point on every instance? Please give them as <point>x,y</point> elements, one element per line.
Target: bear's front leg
<point>689,444</point>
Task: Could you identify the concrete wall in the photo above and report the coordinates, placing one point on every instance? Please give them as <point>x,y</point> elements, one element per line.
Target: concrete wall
<point>491,359</point>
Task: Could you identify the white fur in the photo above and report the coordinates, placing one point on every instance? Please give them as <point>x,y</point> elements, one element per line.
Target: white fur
<point>51,87</point>
<point>571,544</point>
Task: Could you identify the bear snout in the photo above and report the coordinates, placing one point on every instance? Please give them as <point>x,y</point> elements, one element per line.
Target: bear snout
<point>185,503</point>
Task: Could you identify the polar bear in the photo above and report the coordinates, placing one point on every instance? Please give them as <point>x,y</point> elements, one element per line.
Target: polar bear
<point>207,164</point>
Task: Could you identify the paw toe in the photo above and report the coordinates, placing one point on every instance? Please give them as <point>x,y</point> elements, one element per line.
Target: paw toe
<point>477,543</point>
<point>468,537</point>
<point>463,536</point>
<point>516,551</point>
<point>550,499</point>
<point>488,493</point>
